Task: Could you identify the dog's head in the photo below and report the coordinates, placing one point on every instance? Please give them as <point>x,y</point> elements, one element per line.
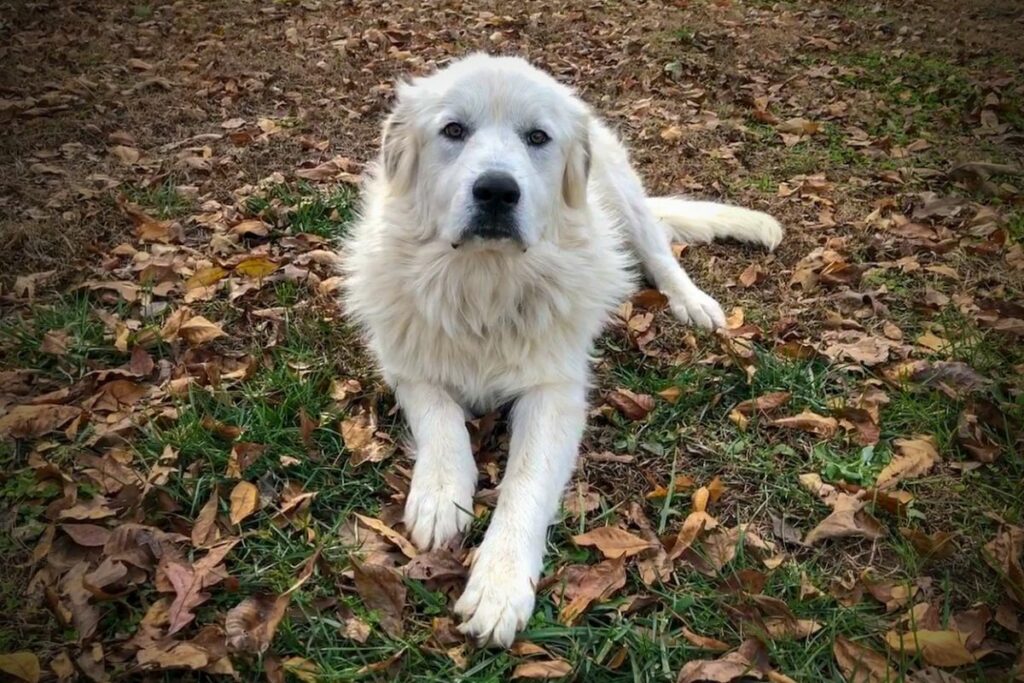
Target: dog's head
<point>490,152</point>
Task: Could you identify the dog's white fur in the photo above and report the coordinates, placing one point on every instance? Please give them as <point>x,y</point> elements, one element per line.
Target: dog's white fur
<point>459,330</point>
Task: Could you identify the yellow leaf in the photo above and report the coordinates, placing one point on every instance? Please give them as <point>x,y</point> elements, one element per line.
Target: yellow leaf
<point>301,668</point>
<point>244,499</point>
<point>22,665</point>
<point>938,648</point>
<point>204,277</point>
<point>258,267</point>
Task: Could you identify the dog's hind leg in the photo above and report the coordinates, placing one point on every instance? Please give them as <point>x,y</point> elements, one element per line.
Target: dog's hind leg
<point>622,194</point>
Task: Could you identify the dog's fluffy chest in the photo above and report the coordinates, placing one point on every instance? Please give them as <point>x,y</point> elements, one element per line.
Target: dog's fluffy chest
<point>484,324</point>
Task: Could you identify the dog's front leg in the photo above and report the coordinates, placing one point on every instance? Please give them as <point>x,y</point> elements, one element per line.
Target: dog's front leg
<point>440,502</point>
<point>547,423</point>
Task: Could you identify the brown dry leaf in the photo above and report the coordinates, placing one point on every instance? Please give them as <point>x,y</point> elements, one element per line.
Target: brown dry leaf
<point>189,582</point>
<point>30,422</point>
<point>87,535</point>
<point>147,228</point>
<point>382,589</point>
<point>916,457</point>
<point>695,523</point>
<point>935,546</point>
<point>705,642</point>
<point>22,665</point>
<point>938,648</point>
<point>251,624</point>
<point>387,532</point>
<point>198,330</point>
<point>751,275</point>
<point>543,669</point>
<point>633,406</point>
<point>613,542</point>
<point>221,429</point>
<point>243,454</point>
<point>750,660</point>
<point>359,435</point>
<point>204,531</point>
<point>245,498</point>
<point>256,228</point>
<point>436,565</point>
<point>764,404</point>
<point>1004,554</point>
<point>585,584</point>
<point>847,520</point>
<point>809,421</point>
<point>55,342</point>
<point>860,664</point>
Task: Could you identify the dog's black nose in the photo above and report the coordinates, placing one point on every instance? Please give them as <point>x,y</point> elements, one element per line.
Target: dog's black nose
<point>496,191</point>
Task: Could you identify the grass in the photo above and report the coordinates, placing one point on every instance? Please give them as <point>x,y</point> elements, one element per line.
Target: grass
<point>164,199</point>
<point>304,209</point>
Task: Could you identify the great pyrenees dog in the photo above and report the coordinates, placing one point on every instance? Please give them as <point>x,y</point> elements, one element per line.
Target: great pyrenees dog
<point>499,232</point>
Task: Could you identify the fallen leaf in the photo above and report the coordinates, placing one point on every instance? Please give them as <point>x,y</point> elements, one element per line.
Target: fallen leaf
<point>88,535</point>
<point>359,435</point>
<point>22,665</point>
<point>764,404</point>
<point>387,532</point>
<point>750,659</point>
<point>585,584</point>
<point>633,406</point>
<point>915,457</point>
<point>245,498</point>
<point>256,268</point>
<point>1004,554</point>
<point>198,330</point>
<point>613,542</point>
<point>382,590</point>
<point>935,546</point>
<point>543,669</point>
<point>33,421</point>
<point>847,519</point>
<point>809,421</point>
<point>704,642</point>
<point>204,531</point>
<point>303,669</point>
<point>938,648</point>
<point>860,664</point>
<point>251,624</point>
<point>189,582</point>
<point>751,275</point>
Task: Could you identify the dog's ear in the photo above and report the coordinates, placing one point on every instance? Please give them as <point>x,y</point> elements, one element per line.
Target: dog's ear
<point>577,169</point>
<point>399,148</point>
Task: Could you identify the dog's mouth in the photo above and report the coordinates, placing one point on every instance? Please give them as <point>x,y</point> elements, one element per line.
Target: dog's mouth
<point>488,230</point>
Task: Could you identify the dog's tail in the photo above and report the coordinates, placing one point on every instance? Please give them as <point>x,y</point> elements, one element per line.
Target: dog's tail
<point>696,222</point>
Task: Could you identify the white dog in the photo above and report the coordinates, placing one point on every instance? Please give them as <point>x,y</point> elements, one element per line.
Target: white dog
<point>497,237</point>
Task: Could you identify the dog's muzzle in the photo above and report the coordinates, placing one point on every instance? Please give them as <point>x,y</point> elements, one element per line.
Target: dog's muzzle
<point>495,197</point>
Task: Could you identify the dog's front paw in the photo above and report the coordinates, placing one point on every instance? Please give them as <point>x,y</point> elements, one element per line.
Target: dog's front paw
<point>437,509</point>
<point>697,308</point>
<point>497,602</point>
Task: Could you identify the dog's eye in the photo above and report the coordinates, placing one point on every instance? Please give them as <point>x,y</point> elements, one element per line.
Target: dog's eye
<point>537,137</point>
<point>454,131</point>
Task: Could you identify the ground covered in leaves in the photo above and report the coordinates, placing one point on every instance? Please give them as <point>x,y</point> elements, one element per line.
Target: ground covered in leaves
<point>203,476</point>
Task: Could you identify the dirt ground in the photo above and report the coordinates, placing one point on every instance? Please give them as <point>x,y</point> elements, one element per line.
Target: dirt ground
<point>173,177</point>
